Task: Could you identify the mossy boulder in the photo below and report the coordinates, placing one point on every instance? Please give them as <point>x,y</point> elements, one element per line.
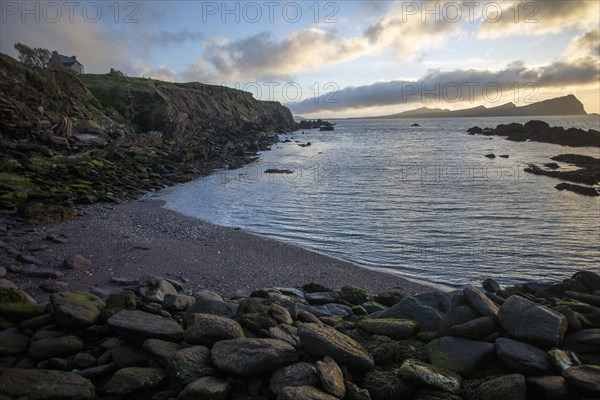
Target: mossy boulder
<point>354,295</point>
<point>16,305</point>
<point>74,310</point>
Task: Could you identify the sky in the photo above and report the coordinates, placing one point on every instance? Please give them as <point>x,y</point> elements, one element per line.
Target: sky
<point>345,58</point>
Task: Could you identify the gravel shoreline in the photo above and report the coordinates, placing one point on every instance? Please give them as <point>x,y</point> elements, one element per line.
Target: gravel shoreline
<point>141,237</point>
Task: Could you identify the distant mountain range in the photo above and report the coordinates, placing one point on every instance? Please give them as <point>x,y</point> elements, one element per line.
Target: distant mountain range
<point>566,105</point>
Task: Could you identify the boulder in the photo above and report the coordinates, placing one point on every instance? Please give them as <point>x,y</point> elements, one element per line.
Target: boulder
<point>585,341</point>
<point>39,384</point>
<point>387,384</point>
<point>154,289</point>
<point>12,343</point>
<point>206,329</point>
<point>317,298</point>
<point>522,357</point>
<point>320,341</point>
<point>549,388</point>
<point>252,356</point>
<point>74,310</point>
<point>326,310</point>
<point>161,349</point>
<point>531,322</point>
<point>299,374</point>
<point>462,356</point>
<point>189,364</point>
<point>44,349</point>
<point>208,302</point>
<point>137,326</point>
<point>178,302</point>
<point>475,329</point>
<point>586,377</point>
<point>480,302</point>
<point>563,359</point>
<point>428,375</point>
<point>280,314</point>
<point>76,261</point>
<point>354,295</point>
<point>134,380</point>
<point>511,387</point>
<point>303,393</point>
<point>397,329</point>
<point>425,308</point>
<point>331,377</point>
<point>126,355</point>
<point>206,388</point>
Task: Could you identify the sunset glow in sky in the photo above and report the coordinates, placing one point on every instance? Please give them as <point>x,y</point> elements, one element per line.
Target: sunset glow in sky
<point>333,58</point>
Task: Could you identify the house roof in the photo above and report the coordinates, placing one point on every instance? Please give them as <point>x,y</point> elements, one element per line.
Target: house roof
<point>67,61</point>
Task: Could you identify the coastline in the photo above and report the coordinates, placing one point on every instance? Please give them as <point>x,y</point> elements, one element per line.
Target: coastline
<point>142,237</point>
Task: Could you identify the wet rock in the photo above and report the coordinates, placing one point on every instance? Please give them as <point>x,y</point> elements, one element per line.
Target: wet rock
<point>77,261</point>
<point>460,355</point>
<point>206,388</point>
<point>320,341</point>
<point>354,295</point>
<point>208,302</point>
<point>475,329</point>
<point>161,349</point>
<point>586,377</point>
<point>178,302</point>
<point>206,329</point>
<point>280,314</point>
<point>257,322</point>
<point>327,310</point>
<point>252,356</point>
<point>331,377</point>
<point>458,315</point>
<point>299,374</point>
<point>318,298</point>
<point>522,357</point>
<point>190,364</point>
<point>372,306</point>
<point>585,341</point>
<point>36,384</point>
<point>531,322</point>
<point>480,302</point>
<point>135,379</point>
<point>426,374</point>
<point>393,328</point>
<point>425,308</point>
<point>387,384</point>
<point>12,343</point>
<point>511,387</point>
<point>563,359</point>
<point>549,388</point>
<point>137,326</point>
<point>74,310</point>
<point>491,285</point>
<point>303,393</point>
<point>154,289</point>
<point>44,349</point>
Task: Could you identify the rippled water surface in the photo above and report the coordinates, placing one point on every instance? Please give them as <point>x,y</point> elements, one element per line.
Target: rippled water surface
<point>422,202</point>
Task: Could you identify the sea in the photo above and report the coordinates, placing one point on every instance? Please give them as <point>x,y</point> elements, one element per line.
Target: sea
<point>423,202</point>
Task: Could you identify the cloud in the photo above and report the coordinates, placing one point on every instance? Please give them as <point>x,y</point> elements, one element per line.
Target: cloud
<point>538,17</point>
<point>184,35</point>
<point>577,67</point>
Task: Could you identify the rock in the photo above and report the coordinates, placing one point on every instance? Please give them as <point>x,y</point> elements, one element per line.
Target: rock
<point>178,302</point>
<point>585,341</point>
<point>210,303</point>
<point>460,355</point>
<point>425,308</point>
<point>586,377</point>
<point>491,155</point>
<point>511,387</point>
<point>521,357</point>
<point>299,374</point>
<point>161,349</point>
<point>252,356</point>
<point>303,393</point>
<point>5,283</point>
<point>280,314</point>
<point>46,273</point>
<point>491,285</point>
<point>293,292</point>
<point>425,374</point>
<point>354,295</point>
<point>76,261</point>
<point>12,343</point>
<point>322,297</point>
<point>154,289</point>
<point>331,377</point>
<point>190,364</point>
<point>530,322</point>
<point>257,322</point>
<point>475,329</point>
<point>589,279</point>
<point>389,299</point>
<point>84,360</point>
<point>353,392</point>
<point>2,272</point>
<point>305,316</point>
<point>37,384</point>
<point>457,315</point>
<point>384,385</point>
<point>206,388</point>
<point>99,371</point>
<point>19,311</point>
<point>126,355</point>
<point>326,310</point>
<point>29,259</point>
<point>315,287</point>
<point>579,189</point>
<point>573,323</point>
<point>54,286</point>
<point>481,302</point>
<point>590,299</point>
<point>44,349</point>
<point>135,379</point>
<point>38,322</point>
<point>137,326</point>
<point>74,310</point>
<point>563,359</point>
<point>549,388</point>
<point>284,334</point>
<point>206,329</point>
<point>397,329</point>
<point>320,341</point>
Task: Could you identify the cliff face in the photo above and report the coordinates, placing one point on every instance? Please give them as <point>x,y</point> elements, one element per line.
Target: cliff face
<point>68,139</point>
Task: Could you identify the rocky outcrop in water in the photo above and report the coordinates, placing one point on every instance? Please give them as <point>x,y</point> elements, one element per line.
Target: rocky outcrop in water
<point>588,173</point>
<point>532,341</point>
<point>68,139</point>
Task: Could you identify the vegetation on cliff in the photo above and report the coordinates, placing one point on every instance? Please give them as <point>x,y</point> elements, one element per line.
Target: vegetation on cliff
<point>68,139</point>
